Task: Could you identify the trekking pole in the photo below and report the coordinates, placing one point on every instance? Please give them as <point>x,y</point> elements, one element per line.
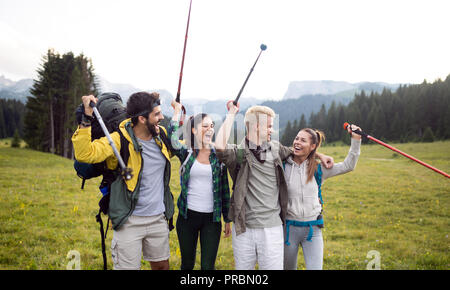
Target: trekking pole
<point>177,99</point>
<point>359,132</point>
<point>263,47</point>
<point>124,170</point>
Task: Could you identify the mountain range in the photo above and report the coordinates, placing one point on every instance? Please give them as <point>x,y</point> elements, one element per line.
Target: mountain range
<point>18,90</point>
<point>301,97</point>
<point>345,89</point>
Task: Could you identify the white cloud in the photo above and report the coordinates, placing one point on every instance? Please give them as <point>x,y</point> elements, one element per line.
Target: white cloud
<point>19,56</point>
<point>140,42</point>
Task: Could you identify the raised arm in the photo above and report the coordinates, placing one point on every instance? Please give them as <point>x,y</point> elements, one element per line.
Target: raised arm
<point>88,151</point>
<point>179,149</point>
<point>225,130</point>
<point>350,161</point>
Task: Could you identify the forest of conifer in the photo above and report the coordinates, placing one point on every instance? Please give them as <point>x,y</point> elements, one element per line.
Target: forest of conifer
<point>412,113</point>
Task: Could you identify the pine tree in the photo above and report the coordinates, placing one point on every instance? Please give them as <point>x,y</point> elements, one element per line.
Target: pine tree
<point>428,135</point>
<point>49,121</point>
<point>331,126</point>
<point>302,123</point>
<point>16,140</point>
<point>286,135</point>
<point>321,118</point>
<point>2,121</point>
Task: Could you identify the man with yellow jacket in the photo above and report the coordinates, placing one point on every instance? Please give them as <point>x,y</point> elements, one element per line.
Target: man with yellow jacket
<point>139,208</point>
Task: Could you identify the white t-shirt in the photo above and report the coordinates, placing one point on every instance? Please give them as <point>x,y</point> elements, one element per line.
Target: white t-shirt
<point>200,195</point>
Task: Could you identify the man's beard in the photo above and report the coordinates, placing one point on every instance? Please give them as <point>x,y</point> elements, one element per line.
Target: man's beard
<point>151,129</point>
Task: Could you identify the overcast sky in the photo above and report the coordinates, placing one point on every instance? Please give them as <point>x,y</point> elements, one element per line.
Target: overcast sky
<point>141,42</point>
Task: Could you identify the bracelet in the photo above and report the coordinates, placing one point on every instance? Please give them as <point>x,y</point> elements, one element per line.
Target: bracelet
<point>90,118</point>
<point>86,120</point>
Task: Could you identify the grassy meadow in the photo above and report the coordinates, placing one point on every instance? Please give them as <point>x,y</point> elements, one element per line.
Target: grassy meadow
<point>388,204</point>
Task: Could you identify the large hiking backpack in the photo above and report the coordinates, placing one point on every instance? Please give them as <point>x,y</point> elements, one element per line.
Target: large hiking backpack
<point>113,112</point>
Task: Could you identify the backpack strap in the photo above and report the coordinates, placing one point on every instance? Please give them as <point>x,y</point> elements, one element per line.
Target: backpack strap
<point>124,149</point>
<point>167,143</point>
<point>103,237</point>
<point>239,161</point>
<point>318,177</point>
<point>108,178</point>
<point>165,138</point>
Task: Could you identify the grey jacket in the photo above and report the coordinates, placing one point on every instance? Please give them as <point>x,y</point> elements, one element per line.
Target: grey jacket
<point>240,179</point>
<point>303,203</point>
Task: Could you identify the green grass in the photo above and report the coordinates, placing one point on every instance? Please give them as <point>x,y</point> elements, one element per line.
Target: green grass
<point>388,204</point>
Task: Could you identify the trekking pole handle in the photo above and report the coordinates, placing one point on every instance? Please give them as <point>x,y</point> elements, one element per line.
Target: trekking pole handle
<point>126,172</point>
<point>357,131</point>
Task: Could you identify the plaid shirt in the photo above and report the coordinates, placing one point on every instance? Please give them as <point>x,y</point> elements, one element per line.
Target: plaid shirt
<point>221,188</point>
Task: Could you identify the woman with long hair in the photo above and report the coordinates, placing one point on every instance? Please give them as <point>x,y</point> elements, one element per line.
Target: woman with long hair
<point>205,194</point>
<point>304,177</point>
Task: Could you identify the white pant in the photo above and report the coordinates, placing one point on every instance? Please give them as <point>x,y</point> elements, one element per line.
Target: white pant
<point>264,246</point>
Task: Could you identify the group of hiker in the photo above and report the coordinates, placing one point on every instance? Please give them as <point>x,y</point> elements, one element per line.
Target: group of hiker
<point>276,202</point>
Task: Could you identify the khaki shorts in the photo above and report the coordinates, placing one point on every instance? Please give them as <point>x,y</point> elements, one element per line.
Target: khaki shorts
<point>140,235</point>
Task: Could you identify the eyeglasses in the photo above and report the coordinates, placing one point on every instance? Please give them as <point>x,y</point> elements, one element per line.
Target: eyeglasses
<point>208,125</point>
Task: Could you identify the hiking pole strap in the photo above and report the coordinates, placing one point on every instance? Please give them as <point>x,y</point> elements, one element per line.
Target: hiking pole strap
<point>183,110</point>
<point>102,234</point>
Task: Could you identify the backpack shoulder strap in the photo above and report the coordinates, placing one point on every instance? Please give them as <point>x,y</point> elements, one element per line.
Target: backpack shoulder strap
<point>318,177</point>
<point>239,161</point>
<point>165,138</point>
<point>124,148</point>
<point>239,157</point>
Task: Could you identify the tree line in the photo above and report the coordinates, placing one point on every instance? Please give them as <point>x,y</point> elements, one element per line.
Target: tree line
<point>411,113</point>
<point>50,120</point>
<point>47,121</point>
<point>11,118</point>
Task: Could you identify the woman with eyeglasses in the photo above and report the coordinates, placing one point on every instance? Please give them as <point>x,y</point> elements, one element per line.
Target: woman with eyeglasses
<point>205,194</point>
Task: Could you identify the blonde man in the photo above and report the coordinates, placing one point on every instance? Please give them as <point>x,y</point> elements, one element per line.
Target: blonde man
<point>259,201</point>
